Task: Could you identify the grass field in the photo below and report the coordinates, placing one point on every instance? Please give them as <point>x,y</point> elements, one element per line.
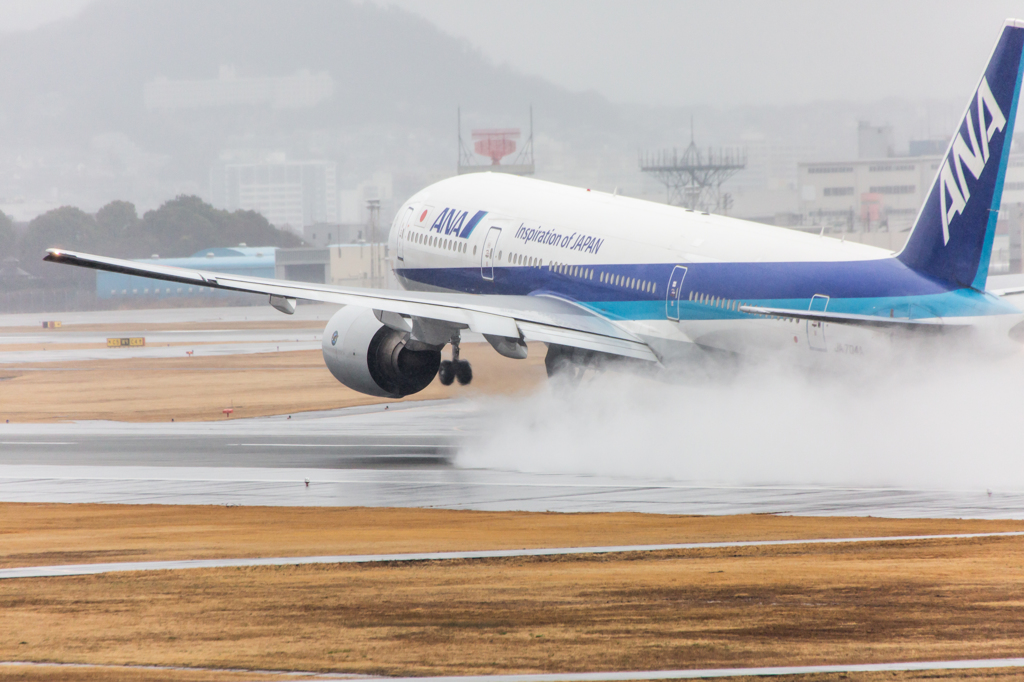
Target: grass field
<point>795,605</point>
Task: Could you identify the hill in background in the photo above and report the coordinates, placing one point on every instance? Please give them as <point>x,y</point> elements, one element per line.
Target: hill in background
<point>77,130</point>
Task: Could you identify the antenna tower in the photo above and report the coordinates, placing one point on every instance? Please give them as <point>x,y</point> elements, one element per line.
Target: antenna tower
<point>495,144</point>
<point>376,248</point>
<point>694,178</point>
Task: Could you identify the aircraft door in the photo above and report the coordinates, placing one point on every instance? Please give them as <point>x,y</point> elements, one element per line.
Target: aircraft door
<point>402,227</point>
<point>816,330</point>
<point>674,291</point>
<point>487,256</point>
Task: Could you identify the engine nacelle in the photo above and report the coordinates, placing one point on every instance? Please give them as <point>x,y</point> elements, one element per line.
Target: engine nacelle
<point>372,358</point>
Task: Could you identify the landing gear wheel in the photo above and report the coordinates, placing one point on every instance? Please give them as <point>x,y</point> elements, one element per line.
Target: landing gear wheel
<point>446,373</point>
<point>463,372</point>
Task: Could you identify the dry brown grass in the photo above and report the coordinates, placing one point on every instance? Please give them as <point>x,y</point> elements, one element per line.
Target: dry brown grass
<point>42,534</point>
<point>737,607</point>
<point>710,608</point>
<point>198,388</point>
<point>126,674</point>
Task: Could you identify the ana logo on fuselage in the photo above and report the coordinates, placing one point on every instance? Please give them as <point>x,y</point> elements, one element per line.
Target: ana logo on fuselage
<point>449,222</point>
<point>954,195</point>
<point>453,222</point>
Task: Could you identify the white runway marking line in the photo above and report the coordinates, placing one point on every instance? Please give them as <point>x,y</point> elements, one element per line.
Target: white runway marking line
<point>36,442</point>
<point>95,569</point>
<point>726,672</point>
<point>977,664</point>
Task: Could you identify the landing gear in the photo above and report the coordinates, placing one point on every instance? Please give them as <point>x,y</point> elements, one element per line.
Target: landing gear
<point>455,369</point>
<point>464,372</point>
<point>445,373</point>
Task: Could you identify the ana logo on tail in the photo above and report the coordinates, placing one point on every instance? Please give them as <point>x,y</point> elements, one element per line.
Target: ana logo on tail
<point>953,196</point>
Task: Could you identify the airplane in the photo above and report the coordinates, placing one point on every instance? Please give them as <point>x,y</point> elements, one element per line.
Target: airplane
<point>597,276</point>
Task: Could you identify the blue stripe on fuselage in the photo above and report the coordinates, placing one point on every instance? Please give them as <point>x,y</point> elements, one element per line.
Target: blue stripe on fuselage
<point>471,225</point>
<point>876,287</point>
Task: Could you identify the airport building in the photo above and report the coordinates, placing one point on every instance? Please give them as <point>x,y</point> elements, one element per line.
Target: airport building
<point>351,265</point>
<point>326,234</point>
<point>249,261</point>
<point>875,199</point>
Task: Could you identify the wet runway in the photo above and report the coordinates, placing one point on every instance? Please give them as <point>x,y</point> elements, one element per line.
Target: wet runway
<point>404,456</point>
<point>407,455</point>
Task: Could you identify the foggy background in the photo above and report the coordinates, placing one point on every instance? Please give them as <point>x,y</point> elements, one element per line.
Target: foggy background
<point>605,79</point>
<point>124,122</point>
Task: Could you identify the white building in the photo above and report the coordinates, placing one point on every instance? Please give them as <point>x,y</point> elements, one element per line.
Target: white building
<point>866,195</point>
<point>289,194</point>
<point>871,195</point>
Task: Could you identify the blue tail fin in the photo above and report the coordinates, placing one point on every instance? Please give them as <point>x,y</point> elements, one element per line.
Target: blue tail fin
<point>952,238</point>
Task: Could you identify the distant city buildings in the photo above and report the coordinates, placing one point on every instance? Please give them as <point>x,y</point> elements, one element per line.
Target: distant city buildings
<point>880,191</point>
<point>352,203</point>
<point>879,194</point>
<point>875,200</point>
<point>289,194</point>
<point>871,195</point>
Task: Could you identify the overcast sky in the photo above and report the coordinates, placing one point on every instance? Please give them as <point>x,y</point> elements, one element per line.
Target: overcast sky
<point>715,52</point>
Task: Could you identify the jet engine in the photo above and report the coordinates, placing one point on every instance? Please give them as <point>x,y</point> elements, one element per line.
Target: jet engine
<point>375,359</point>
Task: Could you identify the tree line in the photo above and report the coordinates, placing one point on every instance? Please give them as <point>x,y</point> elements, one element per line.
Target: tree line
<point>180,227</point>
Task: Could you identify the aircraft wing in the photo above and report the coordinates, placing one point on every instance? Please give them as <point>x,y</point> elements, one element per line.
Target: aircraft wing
<point>548,319</point>
<point>851,319</point>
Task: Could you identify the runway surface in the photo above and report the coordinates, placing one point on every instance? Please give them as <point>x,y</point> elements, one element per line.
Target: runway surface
<point>318,312</point>
<point>406,455</point>
<point>403,456</point>
<point>159,344</point>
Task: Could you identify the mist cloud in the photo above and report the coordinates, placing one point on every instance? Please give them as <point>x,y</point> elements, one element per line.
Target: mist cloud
<point>949,421</point>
